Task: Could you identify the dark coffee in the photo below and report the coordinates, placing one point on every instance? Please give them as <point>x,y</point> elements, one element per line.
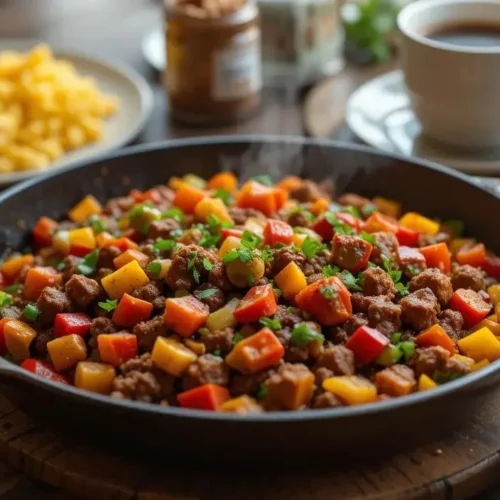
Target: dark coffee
<point>468,35</point>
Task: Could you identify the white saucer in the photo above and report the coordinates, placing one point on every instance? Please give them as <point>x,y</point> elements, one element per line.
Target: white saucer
<point>153,49</point>
<point>379,113</point>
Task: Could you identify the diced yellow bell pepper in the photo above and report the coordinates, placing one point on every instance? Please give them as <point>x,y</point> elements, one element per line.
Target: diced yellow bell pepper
<point>464,359</point>
<point>67,351</point>
<point>84,209</point>
<point>95,377</point>
<point>417,222</point>
<point>130,255</point>
<point>171,356</point>
<point>388,207</point>
<point>457,243</point>
<point>494,293</point>
<point>425,383</point>
<point>254,225</point>
<point>352,389</point>
<point>480,345</point>
<point>82,237</point>
<point>123,223</point>
<point>488,323</point>
<point>291,280</point>
<point>60,242</point>
<point>492,317</point>
<point>125,280</point>
<point>198,348</point>
<point>298,239</point>
<point>12,267</point>
<point>223,317</point>
<point>480,364</point>
<point>241,404</point>
<point>195,181</point>
<point>230,243</point>
<point>102,238</point>
<point>497,311</point>
<point>212,206</point>
<point>18,337</point>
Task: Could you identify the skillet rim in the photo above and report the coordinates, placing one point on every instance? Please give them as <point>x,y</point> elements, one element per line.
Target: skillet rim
<point>11,370</point>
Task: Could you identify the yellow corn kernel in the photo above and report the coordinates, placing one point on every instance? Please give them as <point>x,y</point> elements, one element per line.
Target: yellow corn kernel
<point>352,389</point>
<point>230,243</point>
<point>197,347</point>
<point>488,323</point>
<point>291,280</point>
<point>67,351</point>
<point>84,209</point>
<point>388,207</point>
<point>480,364</point>
<point>124,280</point>
<point>417,222</point>
<point>254,225</point>
<point>171,356</point>
<point>223,317</point>
<point>82,237</point>
<point>425,383</point>
<point>212,206</point>
<point>102,238</point>
<point>95,377</point>
<point>494,293</point>
<point>60,242</point>
<point>241,404</point>
<point>11,267</point>
<point>480,345</point>
<point>18,337</point>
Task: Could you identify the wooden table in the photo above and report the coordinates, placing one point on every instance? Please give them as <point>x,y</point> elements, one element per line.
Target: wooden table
<point>114,28</point>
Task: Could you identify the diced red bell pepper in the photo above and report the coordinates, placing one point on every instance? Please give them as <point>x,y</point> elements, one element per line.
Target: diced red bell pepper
<point>380,222</point>
<point>43,231</point>
<point>131,311</point>
<point>492,267</point>
<point>133,235</point>
<point>322,227</point>
<point>116,348</point>
<point>349,219</point>
<point>470,304</point>
<point>259,301</point>
<point>204,397</point>
<point>264,198</point>
<point>366,343</point>
<point>408,255</point>
<point>44,370</point>
<point>3,346</point>
<point>68,323</point>
<point>407,237</point>
<point>277,231</point>
<point>350,252</point>
<point>327,299</point>
<point>225,232</point>
<point>473,256</point>
<point>151,195</point>
<point>437,256</point>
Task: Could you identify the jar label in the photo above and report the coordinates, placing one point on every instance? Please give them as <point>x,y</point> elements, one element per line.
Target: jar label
<point>237,68</point>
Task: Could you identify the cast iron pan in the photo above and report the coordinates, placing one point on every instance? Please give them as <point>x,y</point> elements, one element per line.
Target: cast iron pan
<point>278,437</point>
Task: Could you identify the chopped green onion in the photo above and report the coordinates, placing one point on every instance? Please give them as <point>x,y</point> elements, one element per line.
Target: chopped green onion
<point>338,226</point>
<point>350,281</point>
<point>215,223</point>
<point>88,264</point>
<point>154,268</point>
<point>395,338</point>
<point>13,288</point>
<point>407,348</point>
<point>238,337</point>
<point>205,294</point>
<point>109,305</point>
<point>5,299</point>
<point>31,312</point>
<point>352,210</point>
<point>207,264</point>
<point>223,195</point>
<point>329,271</point>
<point>262,392</point>
<point>173,213</point>
<point>251,240</point>
<point>368,237</point>
<point>273,324</point>
<point>217,353</point>
<point>96,223</point>
<point>303,334</point>
<point>164,245</point>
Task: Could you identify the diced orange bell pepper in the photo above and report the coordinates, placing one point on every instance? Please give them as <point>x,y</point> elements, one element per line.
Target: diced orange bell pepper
<point>277,231</point>
<point>491,324</point>
<point>425,383</point>
<point>320,206</point>
<point>480,345</point>
<point>327,299</point>
<point>12,267</point>
<point>380,222</point>
<point>419,223</point>
<point>95,377</point>
<point>290,182</point>
<point>352,389</point>
<point>102,238</point>
<point>211,206</point>
<point>388,207</point>
<point>65,352</point>
<point>43,231</point>
<point>131,311</point>
<point>3,347</point>
<point>264,198</point>
<point>474,256</point>
<point>82,241</point>
<point>84,209</point>
<point>171,356</point>
<point>291,280</point>
<point>187,197</point>
<point>259,301</point>
<point>437,256</point>
<point>18,337</point>
<point>37,278</point>
<point>124,280</point>
<point>470,304</point>
<point>204,397</point>
<point>117,348</point>
<point>185,315</point>
<point>223,180</point>
<point>122,244</point>
<point>257,352</point>
<point>130,255</point>
<point>436,335</point>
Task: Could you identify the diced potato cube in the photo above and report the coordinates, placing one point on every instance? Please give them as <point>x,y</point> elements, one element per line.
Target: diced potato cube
<point>65,352</point>
<point>95,377</point>
<point>18,337</point>
<point>171,356</point>
<point>125,280</point>
<point>223,317</point>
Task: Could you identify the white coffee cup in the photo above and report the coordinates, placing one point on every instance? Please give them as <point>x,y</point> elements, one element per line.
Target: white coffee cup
<point>454,90</point>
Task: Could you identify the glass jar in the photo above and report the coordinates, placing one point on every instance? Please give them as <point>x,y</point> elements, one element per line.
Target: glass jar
<point>213,73</point>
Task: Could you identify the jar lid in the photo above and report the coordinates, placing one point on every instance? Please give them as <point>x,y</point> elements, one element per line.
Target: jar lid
<point>213,11</point>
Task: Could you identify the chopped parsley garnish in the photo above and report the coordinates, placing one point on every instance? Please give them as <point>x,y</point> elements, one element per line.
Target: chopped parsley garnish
<point>350,281</point>
<point>369,209</point>
<point>329,271</point>
<point>368,237</point>
<point>395,274</point>
<point>109,305</point>
<point>176,233</point>
<point>251,240</point>
<point>191,266</point>
<point>96,223</point>
<point>214,223</point>
<point>328,291</point>
<point>164,245</point>
<point>154,268</point>
<point>5,299</point>
<point>338,226</point>
<point>309,216</point>
<point>205,294</point>
<point>267,254</point>
<point>223,195</point>
<point>457,227</point>
<point>217,353</point>
<point>413,269</point>
<point>209,240</point>
<point>173,213</point>
<point>238,337</point>
<point>13,288</point>
<point>207,264</point>
<point>273,324</point>
<point>402,289</point>
<point>303,334</point>
<point>352,210</point>
<point>244,254</point>
<point>263,179</point>
<point>31,312</point>
<point>262,392</point>
<point>310,247</point>
<point>88,265</point>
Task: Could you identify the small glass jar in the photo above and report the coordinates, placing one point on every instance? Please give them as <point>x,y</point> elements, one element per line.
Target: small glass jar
<point>213,74</point>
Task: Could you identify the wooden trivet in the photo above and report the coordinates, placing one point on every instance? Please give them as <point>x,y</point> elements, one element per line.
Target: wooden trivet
<point>458,466</point>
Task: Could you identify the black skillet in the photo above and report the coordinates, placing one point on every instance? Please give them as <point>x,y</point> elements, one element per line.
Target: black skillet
<point>291,436</point>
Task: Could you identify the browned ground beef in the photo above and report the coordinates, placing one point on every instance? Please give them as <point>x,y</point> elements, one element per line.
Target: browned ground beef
<point>207,369</point>
<point>384,316</point>
<point>70,264</point>
<point>337,359</point>
<point>288,316</point>
<point>307,191</point>
<point>10,312</point>
<point>41,340</point>
<point>354,200</point>
<point>452,322</point>
<point>439,283</point>
<point>214,301</point>
<point>419,309</point>
<point>82,290</point>
<point>326,400</point>
<point>376,281</point>
<point>219,340</point>
<point>148,331</point>
<point>107,255</point>
<point>429,359</point>
<point>284,256</point>
<point>163,228</point>
<point>240,215</point>
<point>426,239</point>
<point>467,277</point>
<point>386,245</point>
<point>148,292</point>
<point>117,206</point>
<point>340,334</point>
<point>396,380</point>
<point>218,278</point>
<point>51,302</point>
<point>249,384</point>
<point>348,252</point>
<point>191,237</point>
